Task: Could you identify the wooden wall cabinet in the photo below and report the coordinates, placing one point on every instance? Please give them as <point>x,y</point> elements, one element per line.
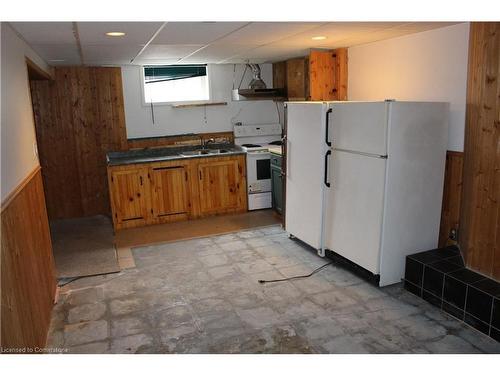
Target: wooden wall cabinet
<point>320,76</point>
<point>160,192</point>
<point>297,79</point>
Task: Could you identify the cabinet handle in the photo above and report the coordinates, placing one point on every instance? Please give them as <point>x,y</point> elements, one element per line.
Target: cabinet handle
<point>140,179</point>
<point>199,172</point>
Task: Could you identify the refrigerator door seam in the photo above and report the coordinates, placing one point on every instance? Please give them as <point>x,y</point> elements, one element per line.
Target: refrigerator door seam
<point>370,155</point>
<point>384,206</point>
<point>321,250</point>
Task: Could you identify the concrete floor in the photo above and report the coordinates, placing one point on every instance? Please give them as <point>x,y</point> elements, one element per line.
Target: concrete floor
<point>203,296</point>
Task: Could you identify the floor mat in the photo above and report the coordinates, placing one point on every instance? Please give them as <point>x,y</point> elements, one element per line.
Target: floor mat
<point>83,246</point>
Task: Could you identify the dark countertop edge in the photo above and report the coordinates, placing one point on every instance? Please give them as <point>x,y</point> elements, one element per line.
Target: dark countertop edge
<point>168,158</point>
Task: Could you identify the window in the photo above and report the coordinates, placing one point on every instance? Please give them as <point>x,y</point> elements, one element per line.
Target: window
<point>175,83</point>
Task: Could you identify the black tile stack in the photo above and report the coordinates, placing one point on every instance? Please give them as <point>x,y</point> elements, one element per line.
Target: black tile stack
<point>440,277</point>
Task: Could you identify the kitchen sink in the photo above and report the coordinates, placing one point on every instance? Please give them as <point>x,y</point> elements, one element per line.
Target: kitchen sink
<point>204,152</point>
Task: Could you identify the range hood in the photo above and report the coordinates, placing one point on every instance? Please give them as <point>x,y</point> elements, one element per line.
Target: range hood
<point>257,89</point>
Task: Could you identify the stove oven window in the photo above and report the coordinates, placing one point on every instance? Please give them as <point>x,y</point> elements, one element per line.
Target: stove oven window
<point>264,169</point>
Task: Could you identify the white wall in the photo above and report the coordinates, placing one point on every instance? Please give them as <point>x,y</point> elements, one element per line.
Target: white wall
<point>427,66</point>
<point>18,139</point>
<point>170,121</point>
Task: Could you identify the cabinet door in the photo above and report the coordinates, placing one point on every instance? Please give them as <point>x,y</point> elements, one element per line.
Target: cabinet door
<point>169,191</point>
<point>297,79</point>
<point>277,188</point>
<point>322,75</point>
<point>219,186</point>
<point>128,195</point>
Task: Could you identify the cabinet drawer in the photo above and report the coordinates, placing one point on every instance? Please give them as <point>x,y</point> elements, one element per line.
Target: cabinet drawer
<point>276,160</point>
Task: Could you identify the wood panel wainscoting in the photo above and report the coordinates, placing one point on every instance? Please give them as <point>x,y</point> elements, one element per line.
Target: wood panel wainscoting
<point>479,236</point>
<point>27,267</point>
<point>79,117</point>
<point>452,192</point>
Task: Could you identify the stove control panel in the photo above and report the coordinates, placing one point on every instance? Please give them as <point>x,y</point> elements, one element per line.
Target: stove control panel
<point>257,130</point>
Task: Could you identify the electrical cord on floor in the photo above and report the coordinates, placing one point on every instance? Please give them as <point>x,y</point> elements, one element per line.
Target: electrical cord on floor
<point>66,280</point>
<point>296,277</point>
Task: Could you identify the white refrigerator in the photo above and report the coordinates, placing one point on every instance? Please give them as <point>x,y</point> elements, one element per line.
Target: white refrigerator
<point>365,179</point>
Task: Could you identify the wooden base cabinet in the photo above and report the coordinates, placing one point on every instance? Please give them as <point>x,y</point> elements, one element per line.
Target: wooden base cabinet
<point>160,192</point>
<point>127,187</point>
<point>169,191</point>
<point>219,186</point>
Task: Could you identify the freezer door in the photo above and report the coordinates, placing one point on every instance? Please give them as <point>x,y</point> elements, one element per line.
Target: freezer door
<point>355,208</point>
<point>305,148</point>
<point>359,126</point>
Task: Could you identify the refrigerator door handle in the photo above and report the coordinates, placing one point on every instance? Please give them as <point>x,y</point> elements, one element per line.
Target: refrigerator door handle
<point>287,156</point>
<point>328,143</point>
<point>327,154</point>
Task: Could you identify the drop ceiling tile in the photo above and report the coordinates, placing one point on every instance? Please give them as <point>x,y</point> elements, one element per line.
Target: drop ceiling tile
<point>45,32</point>
<point>195,32</point>
<point>268,32</point>
<point>424,26</point>
<point>111,53</point>
<point>166,51</point>
<point>390,33</point>
<point>273,51</point>
<point>66,52</point>
<point>165,61</point>
<point>335,32</point>
<point>94,33</point>
<point>279,56</point>
<point>218,52</point>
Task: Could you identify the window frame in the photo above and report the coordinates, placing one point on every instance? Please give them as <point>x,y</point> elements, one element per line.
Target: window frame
<point>180,102</point>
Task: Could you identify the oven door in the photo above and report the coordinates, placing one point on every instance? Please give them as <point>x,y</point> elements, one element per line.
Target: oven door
<point>258,172</point>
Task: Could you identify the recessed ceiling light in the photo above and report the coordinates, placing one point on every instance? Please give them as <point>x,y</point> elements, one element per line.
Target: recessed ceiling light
<point>57,60</point>
<point>320,37</point>
<point>115,33</point>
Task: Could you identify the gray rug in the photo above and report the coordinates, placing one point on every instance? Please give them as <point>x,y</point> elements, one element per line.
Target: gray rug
<point>83,246</point>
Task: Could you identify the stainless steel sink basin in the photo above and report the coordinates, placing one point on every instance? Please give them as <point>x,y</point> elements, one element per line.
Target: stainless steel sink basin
<point>204,152</point>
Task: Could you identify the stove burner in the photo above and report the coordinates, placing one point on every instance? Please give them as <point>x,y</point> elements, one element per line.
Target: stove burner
<point>250,145</point>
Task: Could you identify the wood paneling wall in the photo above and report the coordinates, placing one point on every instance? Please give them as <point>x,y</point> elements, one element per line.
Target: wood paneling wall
<point>479,235</point>
<point>450,214</point>
<point>176,140</point>
<point>27,267</point>
<point>79,117</point>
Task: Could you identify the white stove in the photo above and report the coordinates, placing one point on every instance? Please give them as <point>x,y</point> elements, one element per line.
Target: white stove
<point>255,140</point>
<point>249,147</point>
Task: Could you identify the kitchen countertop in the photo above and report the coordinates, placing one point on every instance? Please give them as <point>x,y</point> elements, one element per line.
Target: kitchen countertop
<point>150,155</point>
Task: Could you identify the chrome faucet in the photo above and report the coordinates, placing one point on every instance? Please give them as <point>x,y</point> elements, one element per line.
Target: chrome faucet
<point>205,142</point>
